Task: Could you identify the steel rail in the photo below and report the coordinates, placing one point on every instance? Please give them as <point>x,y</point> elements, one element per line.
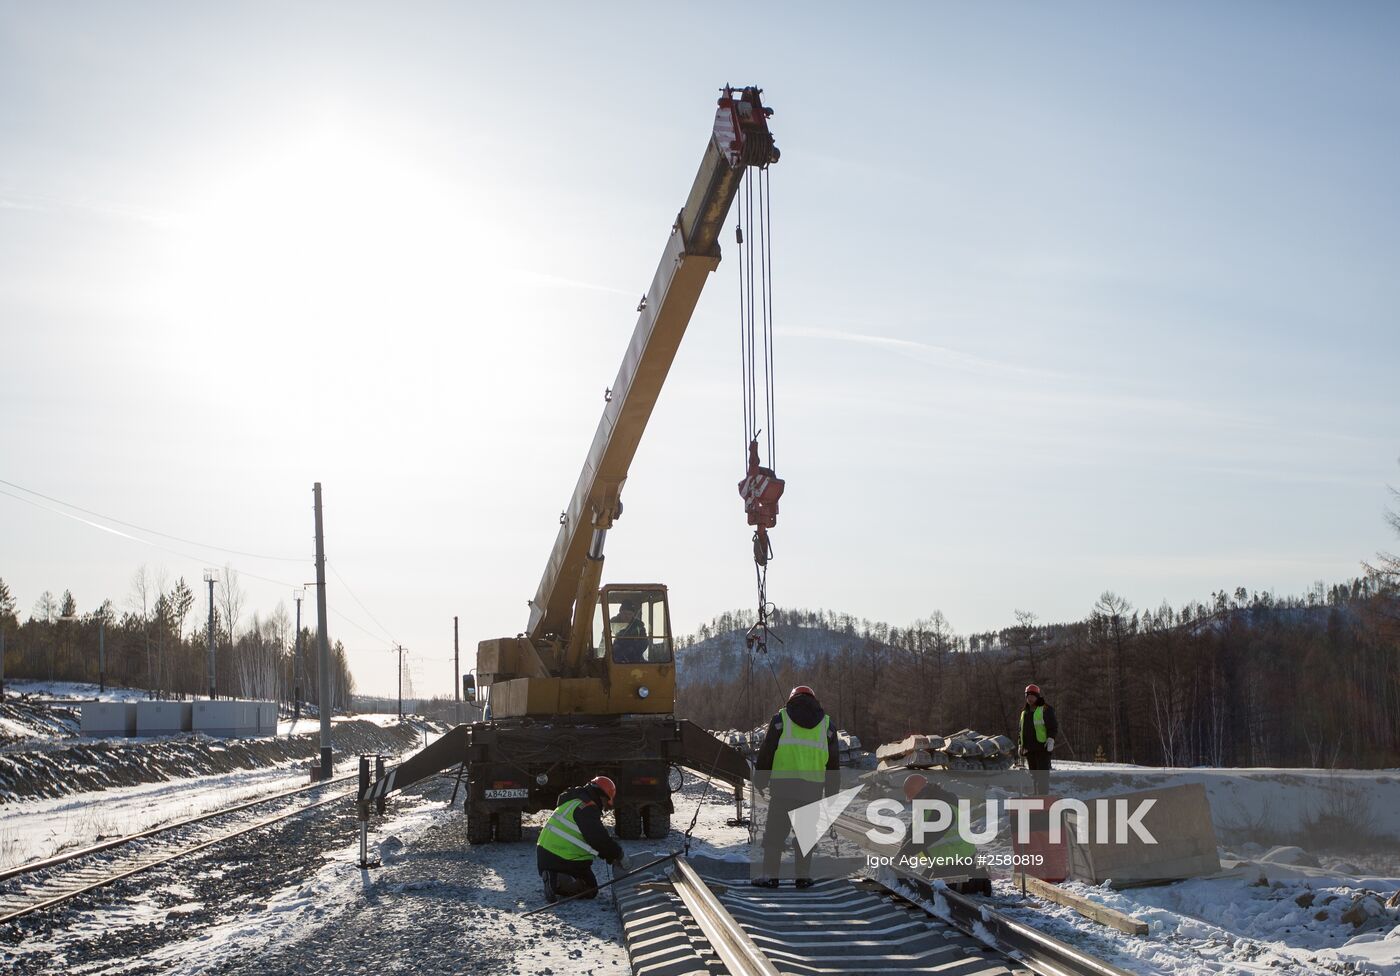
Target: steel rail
<point>740,955</point>
<point>1044,954</point>
<point>166,859</point>
<point>33,867</point>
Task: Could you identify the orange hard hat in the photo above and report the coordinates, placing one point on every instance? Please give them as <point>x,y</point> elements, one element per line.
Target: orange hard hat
<point>1032,689</point>
<point>801,690</point>
<point>608,787</point>
<point>913,785</point>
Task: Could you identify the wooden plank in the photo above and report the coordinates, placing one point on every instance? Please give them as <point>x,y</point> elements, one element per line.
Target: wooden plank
<point>1089,909</point>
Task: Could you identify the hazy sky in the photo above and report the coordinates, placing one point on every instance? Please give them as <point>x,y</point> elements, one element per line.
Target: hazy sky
<point>1070,297</point>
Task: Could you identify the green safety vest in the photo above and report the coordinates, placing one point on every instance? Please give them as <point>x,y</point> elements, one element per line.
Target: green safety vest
<point>801,753</point>
<point>951,844</point>
<point>560,835</point>
<point>1037,721</point>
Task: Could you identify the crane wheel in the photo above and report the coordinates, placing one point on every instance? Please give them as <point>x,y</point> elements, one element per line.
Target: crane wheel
<point>508,830</point>
<point>657,822</point>
<point>478,826</point>
<point>627,822</point>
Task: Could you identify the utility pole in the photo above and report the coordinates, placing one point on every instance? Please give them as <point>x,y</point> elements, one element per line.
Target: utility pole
<point>457,670</point>
<point>2,659</point>
<point>297,668</point>
<point>399,648</point>
<point>211,576</point>
<point>324,658</point>
<point>101,652</point>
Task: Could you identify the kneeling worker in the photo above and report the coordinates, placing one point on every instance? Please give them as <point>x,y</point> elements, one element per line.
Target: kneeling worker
<point>573,836</point>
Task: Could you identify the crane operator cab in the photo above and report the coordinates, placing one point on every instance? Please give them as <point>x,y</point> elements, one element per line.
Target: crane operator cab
<point>633,623</point>
<point>625,663</point>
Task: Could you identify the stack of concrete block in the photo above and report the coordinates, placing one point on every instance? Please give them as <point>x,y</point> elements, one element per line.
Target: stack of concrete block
<point>913,752</point>
<point>750,742</point>
<point>964,749</point>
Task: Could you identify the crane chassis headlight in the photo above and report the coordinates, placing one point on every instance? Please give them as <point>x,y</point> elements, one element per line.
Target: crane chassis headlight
<point>643,691</point>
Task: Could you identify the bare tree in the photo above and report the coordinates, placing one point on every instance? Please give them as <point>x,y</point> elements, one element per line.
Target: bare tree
<point>230,601</point>
<point>140,602</point>
<point>1110,613</point>
<point>1026,636</point>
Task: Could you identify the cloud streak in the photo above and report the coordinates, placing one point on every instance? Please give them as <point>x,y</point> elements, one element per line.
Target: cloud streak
<point>927,351</point>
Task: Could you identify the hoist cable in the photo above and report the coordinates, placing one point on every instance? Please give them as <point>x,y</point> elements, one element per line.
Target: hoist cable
<point>768,313</point>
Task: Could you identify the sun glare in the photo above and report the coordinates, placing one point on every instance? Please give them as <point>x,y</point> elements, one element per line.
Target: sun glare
<point>334,225</point>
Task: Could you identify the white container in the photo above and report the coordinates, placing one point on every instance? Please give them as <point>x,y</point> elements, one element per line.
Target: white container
<point>108,718</point>
<point>163,717</point>
<point>235,718</point>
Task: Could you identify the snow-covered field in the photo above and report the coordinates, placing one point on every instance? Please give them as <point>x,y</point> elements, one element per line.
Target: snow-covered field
<point>36,829</point>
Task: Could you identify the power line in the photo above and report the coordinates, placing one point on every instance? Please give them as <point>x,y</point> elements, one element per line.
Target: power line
<point>139,528</point>
<point>190,556</point>
<point>366,609</point>
<point>124,535</point>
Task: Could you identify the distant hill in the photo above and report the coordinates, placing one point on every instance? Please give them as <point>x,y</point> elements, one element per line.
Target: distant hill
<point>1204,683</point>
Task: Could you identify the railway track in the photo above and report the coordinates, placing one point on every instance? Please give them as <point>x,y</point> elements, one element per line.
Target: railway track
<point>690,925</point>
<point>706,920</point>
<point>45,884</point>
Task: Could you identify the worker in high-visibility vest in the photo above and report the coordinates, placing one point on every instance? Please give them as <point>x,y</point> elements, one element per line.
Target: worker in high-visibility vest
<point>573,836</point>
<point>1038,729</point>
<point>948,854</point>
<point>799,760</point>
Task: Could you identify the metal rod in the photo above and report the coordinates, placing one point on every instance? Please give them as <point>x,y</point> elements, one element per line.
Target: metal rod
<point>607,884</point>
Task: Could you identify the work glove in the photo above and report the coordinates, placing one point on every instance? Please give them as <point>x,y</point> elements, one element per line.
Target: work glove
<point>1049,745</point>
<point>619,864</point>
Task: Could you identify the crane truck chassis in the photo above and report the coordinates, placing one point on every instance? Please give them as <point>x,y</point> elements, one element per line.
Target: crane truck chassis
<point>589,688</point>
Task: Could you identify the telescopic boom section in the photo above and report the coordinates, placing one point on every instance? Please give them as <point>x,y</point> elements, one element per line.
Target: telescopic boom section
<point>740,139</point>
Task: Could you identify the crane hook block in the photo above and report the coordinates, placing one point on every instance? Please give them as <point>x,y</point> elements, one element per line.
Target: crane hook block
<point>760,490</point>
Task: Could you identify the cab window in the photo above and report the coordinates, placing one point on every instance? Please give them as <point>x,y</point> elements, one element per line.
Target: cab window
<point>638,625</point>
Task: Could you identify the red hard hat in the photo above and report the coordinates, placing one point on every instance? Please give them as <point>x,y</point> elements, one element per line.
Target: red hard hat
<point>1032,689</point>
<point>608,787</point>
<point>801,690</point>
<point>913,784</point>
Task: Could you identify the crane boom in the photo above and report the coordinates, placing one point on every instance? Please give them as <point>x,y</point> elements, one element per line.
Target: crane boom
<point>740,139</point>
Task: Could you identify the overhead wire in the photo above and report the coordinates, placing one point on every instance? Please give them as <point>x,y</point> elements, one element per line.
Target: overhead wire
<point>148,531</point>
<point>181,553</point>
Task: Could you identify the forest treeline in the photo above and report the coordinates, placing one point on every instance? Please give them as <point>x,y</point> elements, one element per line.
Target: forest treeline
<point>1239,680</point>
<point>159,642</point>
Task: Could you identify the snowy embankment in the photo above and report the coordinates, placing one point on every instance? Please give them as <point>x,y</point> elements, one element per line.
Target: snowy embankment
<point>1310,880</point>
<point>60,791</point>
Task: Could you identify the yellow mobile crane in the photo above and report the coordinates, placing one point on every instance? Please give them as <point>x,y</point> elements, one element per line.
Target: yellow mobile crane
<point>589,686</point>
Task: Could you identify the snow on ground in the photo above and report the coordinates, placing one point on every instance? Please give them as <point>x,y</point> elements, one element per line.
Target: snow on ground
<point>439,904</point>
<point>70,691</point>
<point>1205,927</point>
<point>36,829</point>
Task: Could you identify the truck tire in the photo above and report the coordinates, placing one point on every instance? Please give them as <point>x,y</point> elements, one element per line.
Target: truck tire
<point>657,822</point>
<point>508,829</point>
<point>478,826</point>
<point>627,822</point>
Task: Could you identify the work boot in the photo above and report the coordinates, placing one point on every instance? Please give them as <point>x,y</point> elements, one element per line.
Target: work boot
<point>551,893</point>
<point>764,882</point>
<point>803,883</point>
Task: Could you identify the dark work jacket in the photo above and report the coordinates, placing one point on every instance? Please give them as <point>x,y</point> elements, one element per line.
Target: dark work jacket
<point>805,711</point>
<point>1052,728</point>
<point>589,817</point>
